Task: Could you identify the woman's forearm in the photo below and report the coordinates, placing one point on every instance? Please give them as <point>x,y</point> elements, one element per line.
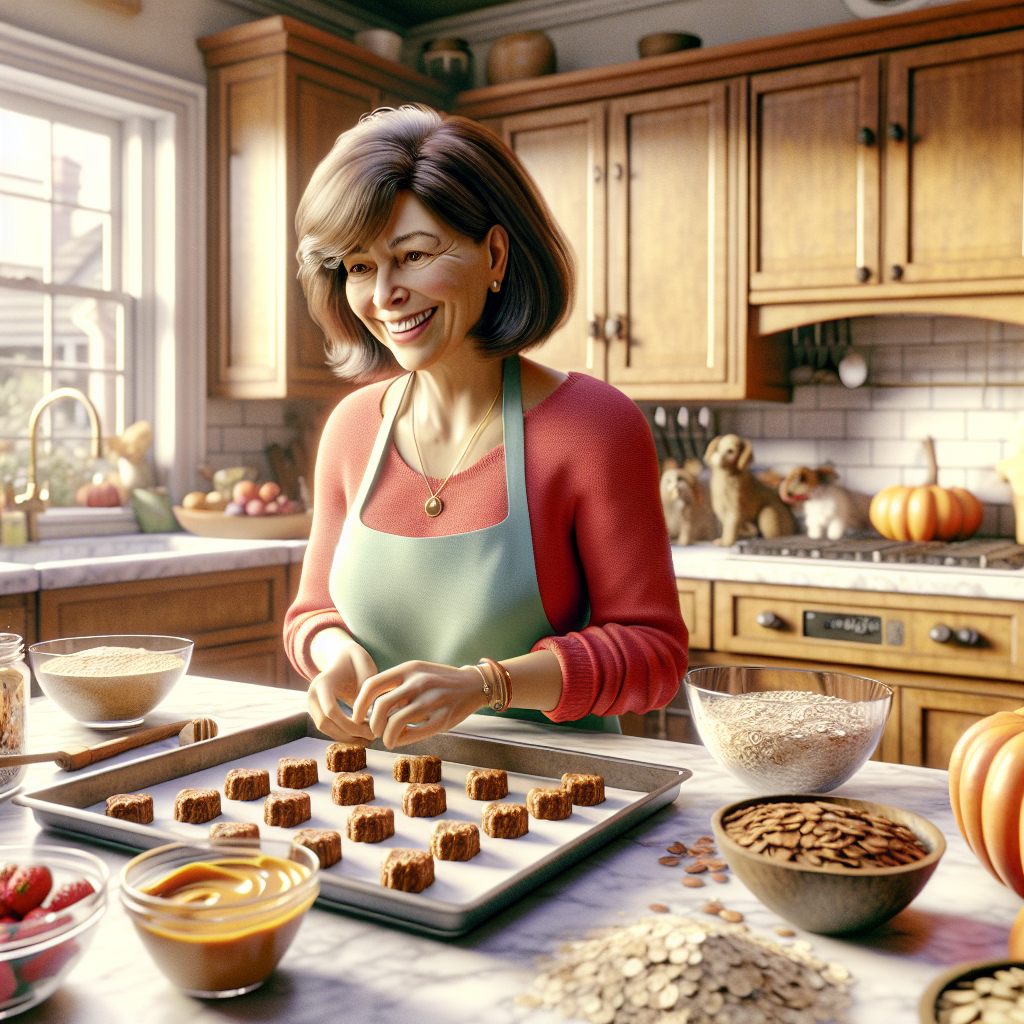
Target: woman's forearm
<point>326,645</point>
<point>536,680</point>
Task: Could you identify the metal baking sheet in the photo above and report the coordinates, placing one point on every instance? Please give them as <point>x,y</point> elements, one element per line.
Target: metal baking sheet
<point>463,894</point>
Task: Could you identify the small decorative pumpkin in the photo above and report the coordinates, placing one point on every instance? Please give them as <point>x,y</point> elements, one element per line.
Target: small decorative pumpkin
<point>98,494</point>
<point>926,513</point>
<point>986,792</point>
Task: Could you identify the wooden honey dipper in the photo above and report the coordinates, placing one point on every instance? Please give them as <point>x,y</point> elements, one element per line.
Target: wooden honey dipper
<point>72,758</point>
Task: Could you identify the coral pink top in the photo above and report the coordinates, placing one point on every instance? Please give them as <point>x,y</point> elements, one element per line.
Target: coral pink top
<point>599,535</point>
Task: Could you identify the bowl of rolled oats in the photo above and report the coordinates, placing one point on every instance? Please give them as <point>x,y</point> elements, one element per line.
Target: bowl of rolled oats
<point>983,991</point>
<point>830,866</point>
<point>787,730</point>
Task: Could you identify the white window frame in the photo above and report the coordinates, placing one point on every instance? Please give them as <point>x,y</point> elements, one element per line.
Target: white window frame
<point>164,142</point>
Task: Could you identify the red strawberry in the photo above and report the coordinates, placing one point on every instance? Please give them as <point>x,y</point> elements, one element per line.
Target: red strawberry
<point>35,923</point>
<point>6,870</point>
<point>8,982</point>
<point>69,893</point>
<point>47,963</point>
<point>26,889</point>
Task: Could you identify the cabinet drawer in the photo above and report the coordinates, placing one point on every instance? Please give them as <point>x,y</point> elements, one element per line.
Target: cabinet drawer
<point>695,605</point>
<point>262,662</point>
<point>869,629</point>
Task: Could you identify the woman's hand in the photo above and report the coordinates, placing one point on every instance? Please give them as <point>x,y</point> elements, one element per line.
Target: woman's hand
<point>341,680</point>
<point>417,699</point>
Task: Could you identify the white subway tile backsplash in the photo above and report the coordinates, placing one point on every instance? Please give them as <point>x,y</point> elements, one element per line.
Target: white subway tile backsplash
<point>214,439</point>
<point>986,484</point>
<point>958,398</point>
<point>952,329</point>
<point>992,424</point>
<point>777,423</point>
<point>968,453</point>
<point>867,481</point>
<point>784,455</point>
<point>880,423</point>
<point>220,412</point>
<point>243,439</point>
<point>952,477</point>
<point>805,397</point>
<point>901,398</point>
<point>820,423</point>
<point>897,452</point>
<point>264,413</point>
<point>844,452</point>
<point>838,397</point>
<point>949,424</point>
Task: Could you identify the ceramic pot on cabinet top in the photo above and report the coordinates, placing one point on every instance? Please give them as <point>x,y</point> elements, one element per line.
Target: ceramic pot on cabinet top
<point>519,56</point>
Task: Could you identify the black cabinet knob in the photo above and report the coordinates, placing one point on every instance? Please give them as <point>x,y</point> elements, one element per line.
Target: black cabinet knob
<point>866,137</point>
<point>896,132</point>
<point>863,274</point>
<point>897,272</point>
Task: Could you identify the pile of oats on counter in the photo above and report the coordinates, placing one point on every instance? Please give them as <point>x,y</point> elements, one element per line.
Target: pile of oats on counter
<point>673,970</point>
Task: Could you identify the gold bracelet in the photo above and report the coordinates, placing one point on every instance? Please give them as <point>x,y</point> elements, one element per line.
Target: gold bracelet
<point>502,699</point>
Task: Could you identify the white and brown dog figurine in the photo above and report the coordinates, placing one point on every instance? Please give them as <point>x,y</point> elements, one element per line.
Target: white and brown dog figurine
<point>687,507</point>
<point>744,505</point>
<point>828,510</point>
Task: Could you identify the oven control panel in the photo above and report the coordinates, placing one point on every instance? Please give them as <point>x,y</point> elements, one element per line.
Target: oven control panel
<point>862,629</point>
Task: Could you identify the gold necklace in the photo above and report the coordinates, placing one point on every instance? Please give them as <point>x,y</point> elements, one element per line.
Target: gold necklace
<point>434,506</point>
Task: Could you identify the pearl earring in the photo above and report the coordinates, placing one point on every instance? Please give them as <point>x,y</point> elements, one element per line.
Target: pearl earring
<point>495,286</point>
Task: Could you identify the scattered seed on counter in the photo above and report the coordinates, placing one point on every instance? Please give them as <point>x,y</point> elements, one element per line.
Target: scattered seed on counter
<point>669,862</point>
<point>659,908</point>
<point>692,882</point>
<point>823,834</point>
<point>673,970</point>
<point>990,999</point>
<point>732,916</point>
<point>719,876</point>
<point>697,868</point>
<point>678,849</point>
<point>712,907</point>
<point>786,933</point>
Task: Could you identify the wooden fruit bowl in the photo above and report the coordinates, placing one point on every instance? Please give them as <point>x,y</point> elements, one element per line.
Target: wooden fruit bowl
<point>293,526</point>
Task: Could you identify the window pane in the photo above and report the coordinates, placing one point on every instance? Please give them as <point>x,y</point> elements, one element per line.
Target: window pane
<point>85,331</point>
<point>81,167</point>
<point>81,247</point>
<point>21,326</point>
<point>20,389</point>
<point>24,154</point>
<point>24,231</point>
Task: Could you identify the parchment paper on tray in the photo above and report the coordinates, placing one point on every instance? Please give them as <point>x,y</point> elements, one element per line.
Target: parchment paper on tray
<point>463,894</point>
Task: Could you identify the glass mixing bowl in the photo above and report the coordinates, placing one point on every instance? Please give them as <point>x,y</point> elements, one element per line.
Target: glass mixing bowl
<point>781,730</point>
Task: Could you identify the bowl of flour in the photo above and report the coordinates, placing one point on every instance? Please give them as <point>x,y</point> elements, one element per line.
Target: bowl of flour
<point>109,682</point>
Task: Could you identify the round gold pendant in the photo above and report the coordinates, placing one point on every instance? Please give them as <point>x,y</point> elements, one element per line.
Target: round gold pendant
<point>434,506</point>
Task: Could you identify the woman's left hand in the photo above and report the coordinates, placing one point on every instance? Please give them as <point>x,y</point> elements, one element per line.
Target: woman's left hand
<point>417,699</point>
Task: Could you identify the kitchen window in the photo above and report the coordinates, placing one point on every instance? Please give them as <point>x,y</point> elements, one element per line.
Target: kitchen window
<point>102,277</point>
<point>65,318</point>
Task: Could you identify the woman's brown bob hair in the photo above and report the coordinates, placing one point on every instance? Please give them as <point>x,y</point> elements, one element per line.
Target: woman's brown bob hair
<point>465,176</point>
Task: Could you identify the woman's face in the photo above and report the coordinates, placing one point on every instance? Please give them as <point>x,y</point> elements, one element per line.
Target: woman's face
<point>420,287</point>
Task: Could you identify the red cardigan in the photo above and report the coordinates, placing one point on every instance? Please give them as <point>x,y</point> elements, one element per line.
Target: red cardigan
<point>598,534</point>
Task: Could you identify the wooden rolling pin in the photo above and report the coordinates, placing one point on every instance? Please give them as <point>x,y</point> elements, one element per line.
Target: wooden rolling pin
<point>72,758</point>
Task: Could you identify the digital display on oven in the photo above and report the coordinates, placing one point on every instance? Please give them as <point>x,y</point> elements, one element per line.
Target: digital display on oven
<point>862,629</point>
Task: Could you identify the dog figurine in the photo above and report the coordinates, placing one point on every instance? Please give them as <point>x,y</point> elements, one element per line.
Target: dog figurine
<point>744,505</point>
<point>828,509</point>
<point>687,507</point>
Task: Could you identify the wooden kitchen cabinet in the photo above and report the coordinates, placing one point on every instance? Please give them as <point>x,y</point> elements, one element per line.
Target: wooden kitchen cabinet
<point>18,615</point>
<point>815,176</point>
<point>280,93</point>
<point>695,606</point>
<point>564,152</point>
<point>955,162</point>
<point>235,618</point>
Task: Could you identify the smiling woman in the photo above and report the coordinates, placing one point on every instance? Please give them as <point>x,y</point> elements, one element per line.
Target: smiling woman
<point>540,585</point>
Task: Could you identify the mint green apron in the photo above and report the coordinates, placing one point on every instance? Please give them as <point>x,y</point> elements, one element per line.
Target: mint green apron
<point>448,600</point>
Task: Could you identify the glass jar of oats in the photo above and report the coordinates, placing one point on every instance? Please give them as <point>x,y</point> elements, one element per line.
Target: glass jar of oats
<point>14,694</point>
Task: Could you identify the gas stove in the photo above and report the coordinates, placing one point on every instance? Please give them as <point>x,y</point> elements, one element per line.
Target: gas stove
<point>977,553</point>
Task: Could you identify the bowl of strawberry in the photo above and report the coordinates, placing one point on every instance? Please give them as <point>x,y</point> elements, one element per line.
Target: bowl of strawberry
<point>51,899</point>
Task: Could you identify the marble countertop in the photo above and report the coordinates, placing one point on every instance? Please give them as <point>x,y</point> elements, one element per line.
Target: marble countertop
<point>388,976</point>
<point>84,561</point>
<point>707,562</point>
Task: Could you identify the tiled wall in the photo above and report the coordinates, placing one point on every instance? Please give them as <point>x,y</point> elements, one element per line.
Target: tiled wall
<point>961,381</point>
<point>237,433</point>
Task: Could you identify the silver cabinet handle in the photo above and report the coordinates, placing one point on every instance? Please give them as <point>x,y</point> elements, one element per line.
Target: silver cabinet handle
<point>769,620</point>
<point>618,172</point>
<point>613,328</point>
<point>940,633</point>
<point>968,637</point>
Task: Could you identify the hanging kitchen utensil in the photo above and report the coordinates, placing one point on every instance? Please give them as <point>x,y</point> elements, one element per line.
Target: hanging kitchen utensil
<point>853,370</point>
<point>706,419</point>
<point>660,439</point>
<point>684,430</point>
<point>802,371</point>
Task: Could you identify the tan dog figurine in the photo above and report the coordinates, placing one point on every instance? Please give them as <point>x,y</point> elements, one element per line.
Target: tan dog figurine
<point>744,505</point>
<point>688,512</point>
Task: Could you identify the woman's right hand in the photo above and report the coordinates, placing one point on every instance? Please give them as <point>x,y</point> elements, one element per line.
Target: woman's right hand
<point>341,681</point>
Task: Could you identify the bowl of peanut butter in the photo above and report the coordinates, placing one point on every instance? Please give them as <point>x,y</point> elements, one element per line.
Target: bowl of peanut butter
<point>217,918</point>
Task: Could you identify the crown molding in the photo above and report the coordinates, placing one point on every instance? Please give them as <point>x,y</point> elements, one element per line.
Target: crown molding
<point>336,16</point>
<point>526,15</point>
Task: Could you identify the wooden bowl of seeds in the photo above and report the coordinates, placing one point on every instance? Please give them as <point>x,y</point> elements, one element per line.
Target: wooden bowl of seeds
<point>830,865</point>
<point>969,992</point>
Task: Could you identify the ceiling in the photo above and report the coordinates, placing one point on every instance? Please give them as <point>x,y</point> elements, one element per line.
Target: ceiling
<point>410,13</point>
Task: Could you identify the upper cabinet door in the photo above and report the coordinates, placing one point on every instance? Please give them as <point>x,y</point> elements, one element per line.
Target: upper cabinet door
<point>669,231</point>
<point>815,176</point>
<point>564,152</point>
<point>955,161</point>
<point>323,104</point>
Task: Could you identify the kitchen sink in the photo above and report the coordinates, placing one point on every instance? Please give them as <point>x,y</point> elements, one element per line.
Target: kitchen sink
<point>127,545</point>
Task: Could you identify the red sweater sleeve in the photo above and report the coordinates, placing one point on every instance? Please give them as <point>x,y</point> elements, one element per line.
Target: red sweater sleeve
<point>345,448</point>
<point>604,505</point>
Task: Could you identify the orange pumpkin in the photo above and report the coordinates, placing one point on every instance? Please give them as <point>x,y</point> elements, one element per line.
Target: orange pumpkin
<point>986,792</point>
<point>926,513</point>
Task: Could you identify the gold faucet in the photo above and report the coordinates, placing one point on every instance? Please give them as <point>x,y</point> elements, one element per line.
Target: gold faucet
<point>36,500</point>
